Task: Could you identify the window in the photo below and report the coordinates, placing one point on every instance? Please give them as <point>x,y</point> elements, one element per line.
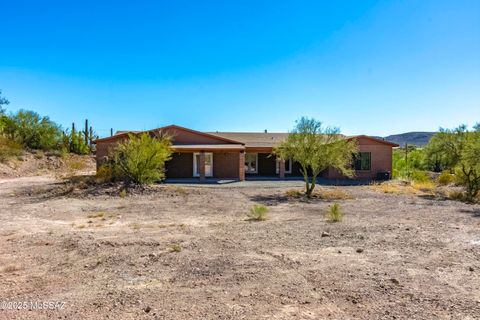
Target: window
<point>363,161</point>
<point>251,160</point>
<point>288,166</point>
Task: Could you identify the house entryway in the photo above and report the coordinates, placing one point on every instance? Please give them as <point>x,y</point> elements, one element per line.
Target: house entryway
<point>208,164</point>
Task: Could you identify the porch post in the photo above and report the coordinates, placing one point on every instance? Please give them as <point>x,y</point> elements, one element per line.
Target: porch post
<point>241,166</point>
<point>281,169</point>
<point>202,166</point>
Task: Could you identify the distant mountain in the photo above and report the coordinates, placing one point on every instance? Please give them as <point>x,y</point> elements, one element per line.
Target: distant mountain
<point>418,139</point>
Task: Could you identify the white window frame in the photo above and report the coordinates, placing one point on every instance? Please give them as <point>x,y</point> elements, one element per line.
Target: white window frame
<point>256,163</point>
<point>195,174</point>
<point>277,166</point>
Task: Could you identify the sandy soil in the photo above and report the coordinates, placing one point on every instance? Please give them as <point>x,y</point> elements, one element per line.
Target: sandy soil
<point>189,253</point>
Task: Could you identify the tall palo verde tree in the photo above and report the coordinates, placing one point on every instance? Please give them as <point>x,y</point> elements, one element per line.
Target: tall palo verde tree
<point>316,148</point>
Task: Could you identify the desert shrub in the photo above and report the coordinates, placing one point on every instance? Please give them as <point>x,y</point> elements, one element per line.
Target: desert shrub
<point>141,159</point>
<point>406,162</point>
<point>176,248</point>
<point>258,212</point>
<point>446,178</point>
<point>460,149</point>
<point>74,141</point>
<point>31,130</point>
<point>334,213</point>
<point>9,149</point>
<point>106,173</point>
<point>419,176</point>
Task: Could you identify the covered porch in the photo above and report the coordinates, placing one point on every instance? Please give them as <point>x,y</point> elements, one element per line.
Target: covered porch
<point>207,162</point>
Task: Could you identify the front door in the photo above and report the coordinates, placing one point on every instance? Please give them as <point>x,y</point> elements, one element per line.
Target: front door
<point>208,164</point>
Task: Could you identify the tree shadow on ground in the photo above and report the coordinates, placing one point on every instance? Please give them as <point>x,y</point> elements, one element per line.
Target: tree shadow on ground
<point>270,200</point>
<point>473,212</point>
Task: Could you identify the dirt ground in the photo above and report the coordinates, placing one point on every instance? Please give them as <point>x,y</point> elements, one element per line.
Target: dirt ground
<point>189,252</point>
<point>45,163</point>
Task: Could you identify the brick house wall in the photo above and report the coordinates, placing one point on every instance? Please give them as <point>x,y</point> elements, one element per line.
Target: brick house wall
<point>180,166</point>
<point>381,160</point>
<point>226,165</point>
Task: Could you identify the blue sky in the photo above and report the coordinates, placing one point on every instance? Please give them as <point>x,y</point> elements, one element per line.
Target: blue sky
<point>372,67</point>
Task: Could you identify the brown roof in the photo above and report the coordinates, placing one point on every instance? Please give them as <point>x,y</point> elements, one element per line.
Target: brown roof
<point>121,134</point>
<point>375,140</point>
<point>208,147</point>
<point>254,139</point>
<point>271,139</point>
<point>249,139</point>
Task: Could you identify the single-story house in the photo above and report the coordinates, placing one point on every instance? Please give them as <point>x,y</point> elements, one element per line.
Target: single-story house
<point>239,155</point>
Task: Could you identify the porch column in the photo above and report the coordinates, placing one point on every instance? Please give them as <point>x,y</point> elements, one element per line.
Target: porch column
<point>241,166</point>
<point>202,166</point>
<point>281,169</point>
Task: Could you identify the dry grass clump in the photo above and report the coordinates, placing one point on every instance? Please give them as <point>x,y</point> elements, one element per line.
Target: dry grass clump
<point>258,213</point>
<point>387,188</point>
<point>329,194</point>
<point>425,186</point>
<point>458,195</point>
<point>11,268</point>
<point>295,193</point>
<point>334,213</point>
<point>446,178</point>
<point>135,226</point>
<point>405,187</point>
<point>181,191</point>
<point>96,215</point>
<point>176,248</point>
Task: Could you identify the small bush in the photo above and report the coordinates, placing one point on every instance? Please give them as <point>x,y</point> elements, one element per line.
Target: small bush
<point>420,176</point>
<point>9,149</point>
<point>258,212</point>
<point>141,159</point>
<point>334,213</point>
<point>176,248</point>
<point>446,178</point>
<point>38,154</point>
<point>106,173</point>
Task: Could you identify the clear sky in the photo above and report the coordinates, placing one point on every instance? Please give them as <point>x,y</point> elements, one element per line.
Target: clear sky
<point>372,67</point>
